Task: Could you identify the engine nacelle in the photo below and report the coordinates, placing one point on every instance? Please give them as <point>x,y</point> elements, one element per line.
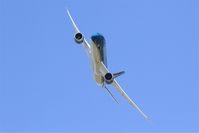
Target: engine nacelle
<point>79,38</point>
<point>108,78</point>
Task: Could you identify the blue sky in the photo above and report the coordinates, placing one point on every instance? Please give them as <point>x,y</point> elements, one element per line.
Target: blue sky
<point>46,82</point>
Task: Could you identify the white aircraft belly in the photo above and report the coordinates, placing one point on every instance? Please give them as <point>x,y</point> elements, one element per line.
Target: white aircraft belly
<point>96,59</point>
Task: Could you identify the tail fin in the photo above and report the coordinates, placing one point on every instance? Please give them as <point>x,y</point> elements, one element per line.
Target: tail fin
<point>115,75</point>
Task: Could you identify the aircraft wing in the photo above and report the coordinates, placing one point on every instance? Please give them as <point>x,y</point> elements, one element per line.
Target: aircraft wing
<point>85,43</point>
<point>104,70</point>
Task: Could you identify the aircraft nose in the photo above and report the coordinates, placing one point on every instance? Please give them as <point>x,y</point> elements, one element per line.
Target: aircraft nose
<point>94,38</point>
<point>98,38</point>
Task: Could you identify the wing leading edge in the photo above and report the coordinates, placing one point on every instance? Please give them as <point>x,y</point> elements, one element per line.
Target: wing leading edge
<point>104,70</point>
<point>86,44</point>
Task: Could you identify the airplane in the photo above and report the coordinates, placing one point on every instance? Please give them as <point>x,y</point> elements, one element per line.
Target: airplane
<point>96,51</point>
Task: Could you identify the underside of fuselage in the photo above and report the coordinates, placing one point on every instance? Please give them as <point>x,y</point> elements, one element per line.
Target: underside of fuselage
<point>98,48</point>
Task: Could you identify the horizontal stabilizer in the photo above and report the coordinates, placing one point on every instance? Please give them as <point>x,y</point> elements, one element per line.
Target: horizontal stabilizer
<point>115,75</point>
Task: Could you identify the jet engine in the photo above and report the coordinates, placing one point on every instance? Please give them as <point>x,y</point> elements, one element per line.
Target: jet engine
<point>79,38</point>
<point>108,78</point>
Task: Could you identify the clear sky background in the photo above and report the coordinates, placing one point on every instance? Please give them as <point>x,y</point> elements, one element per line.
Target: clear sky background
<point>46,81</point>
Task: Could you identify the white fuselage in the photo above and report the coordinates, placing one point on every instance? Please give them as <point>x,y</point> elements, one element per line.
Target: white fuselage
<point>96,59</point>
<point>98,55</point>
